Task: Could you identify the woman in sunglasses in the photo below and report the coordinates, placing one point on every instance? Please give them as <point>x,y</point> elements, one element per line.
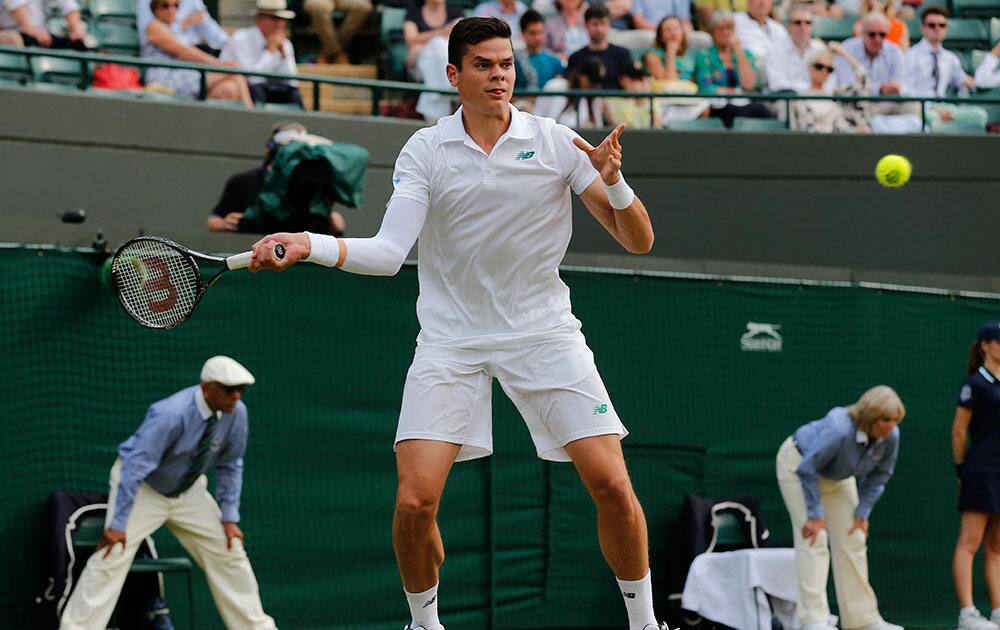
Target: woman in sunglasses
<point>823,116</point>
<point>162,43</point>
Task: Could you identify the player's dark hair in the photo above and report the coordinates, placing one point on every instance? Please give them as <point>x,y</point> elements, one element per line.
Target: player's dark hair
<point>530,17</point>
<point>975,357</point>
<point>934,9</point>
<point>472,30</point>
<point>596,12</point>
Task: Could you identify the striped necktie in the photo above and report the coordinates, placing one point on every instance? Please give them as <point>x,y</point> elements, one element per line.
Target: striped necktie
<point>201,456</point>
<point>936,73</point>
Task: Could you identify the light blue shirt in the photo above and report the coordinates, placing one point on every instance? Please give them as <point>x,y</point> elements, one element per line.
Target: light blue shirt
<point>493,8</point>
<point>885,67</point>
<point>161,451</point>
<point>656,10</point>
<point>834,448</point>
<point>920,79</point>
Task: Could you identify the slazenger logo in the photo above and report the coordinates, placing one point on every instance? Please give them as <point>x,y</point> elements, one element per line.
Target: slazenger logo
<point>761,337</point>
<point>524,155</point>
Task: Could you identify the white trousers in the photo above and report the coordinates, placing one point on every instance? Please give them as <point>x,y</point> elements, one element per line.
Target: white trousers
<point>855,597</point>
<point>195,519</point>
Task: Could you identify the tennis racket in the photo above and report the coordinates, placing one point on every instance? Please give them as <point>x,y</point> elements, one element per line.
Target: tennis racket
<point>159,283</point>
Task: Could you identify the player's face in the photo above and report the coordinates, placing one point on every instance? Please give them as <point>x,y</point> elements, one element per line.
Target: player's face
<point>221,397</point>
<point>882,427</point>
<point>487,76</point>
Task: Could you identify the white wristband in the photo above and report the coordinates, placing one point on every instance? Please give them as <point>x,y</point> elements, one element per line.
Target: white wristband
<point>620,194</point>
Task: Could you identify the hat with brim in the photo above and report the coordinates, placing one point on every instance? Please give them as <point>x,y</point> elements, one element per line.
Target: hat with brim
<point>990,331</point>
<point>225,371</point>
<point>277,8</point>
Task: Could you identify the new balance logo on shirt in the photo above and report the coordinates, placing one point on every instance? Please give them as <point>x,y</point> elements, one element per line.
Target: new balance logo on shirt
<point>600,409</point>
<point>524,155</point>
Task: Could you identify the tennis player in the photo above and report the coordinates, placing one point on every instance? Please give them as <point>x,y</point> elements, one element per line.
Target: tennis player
<point>487,190</point>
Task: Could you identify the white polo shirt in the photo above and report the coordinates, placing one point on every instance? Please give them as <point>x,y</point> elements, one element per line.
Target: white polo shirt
<point>497,227</point>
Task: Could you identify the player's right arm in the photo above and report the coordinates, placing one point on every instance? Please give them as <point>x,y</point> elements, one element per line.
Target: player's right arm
<point>380,255</point>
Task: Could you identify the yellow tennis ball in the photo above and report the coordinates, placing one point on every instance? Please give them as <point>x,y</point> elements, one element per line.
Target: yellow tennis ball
<point>892,171</point>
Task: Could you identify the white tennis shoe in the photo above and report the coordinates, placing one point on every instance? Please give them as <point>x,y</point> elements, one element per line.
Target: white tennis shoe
<point>882,625</point>
<point>661,626</point>
<point>409,627</point>
<point>976,621</point>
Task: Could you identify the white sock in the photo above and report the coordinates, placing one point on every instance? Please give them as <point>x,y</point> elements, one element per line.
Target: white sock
<point>995,614</point>
<point>965,612</point>
<point>638,602</point>
<point>424,608</point>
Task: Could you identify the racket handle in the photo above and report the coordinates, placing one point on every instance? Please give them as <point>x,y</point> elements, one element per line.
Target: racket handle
<point>239,261</point>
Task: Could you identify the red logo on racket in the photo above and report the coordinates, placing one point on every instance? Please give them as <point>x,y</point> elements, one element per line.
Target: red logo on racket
<point>160,282</point>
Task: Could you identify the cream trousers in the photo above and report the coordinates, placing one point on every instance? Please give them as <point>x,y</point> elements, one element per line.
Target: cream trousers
<point>855,597</point>
<point>195,519</point>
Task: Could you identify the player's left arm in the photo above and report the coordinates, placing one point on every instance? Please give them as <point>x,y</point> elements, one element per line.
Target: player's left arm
<point>609,198</point>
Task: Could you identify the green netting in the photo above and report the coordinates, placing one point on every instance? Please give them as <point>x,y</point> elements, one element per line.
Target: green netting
<point>330,351</point>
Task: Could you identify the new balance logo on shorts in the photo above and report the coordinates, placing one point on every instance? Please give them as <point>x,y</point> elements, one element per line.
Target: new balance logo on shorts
<point>600,409</point>
<point>429,601</point>
<point>524,155</point>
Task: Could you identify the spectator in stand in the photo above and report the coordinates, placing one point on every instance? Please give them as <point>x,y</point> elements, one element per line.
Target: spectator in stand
<point>648,14</point>
<point>635,112</point>
<point>669,59</point>
<point>884,64</point>
<point>787,67</point>
<point>534,66</point>
<point>566,29</point>
<point>266,47</point>
<point>509,11</point>
<point>611,56</point>
<point>898,33</point>
<point>242,189</point>
<point>931,70</point>
<point>821,8</point>
<point>705,9</point>
<point>192,25</point>
<point>728,68</point>
<point>335,39</point>
<point>988,72</point>
<point>758,32</point>
<point>831,116</point>
<point>579,112</point>
<point>426,29</point>
<point>29,18</point>
<point>162,43</point>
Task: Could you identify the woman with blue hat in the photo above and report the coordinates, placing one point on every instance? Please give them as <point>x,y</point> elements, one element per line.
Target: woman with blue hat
<point>975,443</point>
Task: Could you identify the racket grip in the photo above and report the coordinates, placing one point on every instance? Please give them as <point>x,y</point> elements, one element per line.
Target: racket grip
<point>239,261</point>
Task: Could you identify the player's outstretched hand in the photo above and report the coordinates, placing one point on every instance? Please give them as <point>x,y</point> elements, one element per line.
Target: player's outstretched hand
<point>296,245</point>
<point>607,156</point>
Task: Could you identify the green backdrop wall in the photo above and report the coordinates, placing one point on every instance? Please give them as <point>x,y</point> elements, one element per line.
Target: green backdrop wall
<point>330,351</point>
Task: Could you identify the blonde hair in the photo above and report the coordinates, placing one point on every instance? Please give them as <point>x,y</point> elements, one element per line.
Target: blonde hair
<point>875,404</point>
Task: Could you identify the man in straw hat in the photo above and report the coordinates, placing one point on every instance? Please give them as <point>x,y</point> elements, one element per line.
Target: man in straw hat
<point>266,47</point>
<point>159,479</point>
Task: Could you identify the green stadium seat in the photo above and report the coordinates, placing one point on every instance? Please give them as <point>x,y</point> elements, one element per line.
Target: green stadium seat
<point>698,124</point>
<point>15,69</point>
<point>966,34</point>
<point>117,39</point>
<point>994,31</point>
<point>114,11</point>
<point>959,128</point>
<point>279,107</point>
<point>59,72</point>
<point>394,48</point>
<point>88,532</point>
<point>992,110</point>
<point>975,8</point>
<point>965,56</point>
<point>759,124</point>
<point>833,29</point>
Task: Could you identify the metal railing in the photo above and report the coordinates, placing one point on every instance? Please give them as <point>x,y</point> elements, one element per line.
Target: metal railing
<point>379,87</point>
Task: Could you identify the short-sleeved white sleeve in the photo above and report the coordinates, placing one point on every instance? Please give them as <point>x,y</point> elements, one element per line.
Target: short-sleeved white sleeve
<point>411,176</point>
<point>578,172</point>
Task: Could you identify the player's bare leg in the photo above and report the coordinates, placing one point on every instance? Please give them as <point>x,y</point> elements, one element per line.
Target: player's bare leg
<point>422,467</point>
<point>621,524</point>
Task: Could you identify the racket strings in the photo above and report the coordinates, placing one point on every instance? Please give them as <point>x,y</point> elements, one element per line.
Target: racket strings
<point>159,285</point>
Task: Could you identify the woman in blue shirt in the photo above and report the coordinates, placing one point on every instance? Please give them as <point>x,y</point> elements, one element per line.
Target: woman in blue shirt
<point>831,472</point>
<point>975,443</point>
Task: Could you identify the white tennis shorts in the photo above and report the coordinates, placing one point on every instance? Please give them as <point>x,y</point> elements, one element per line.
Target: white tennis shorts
<point>554,385</point>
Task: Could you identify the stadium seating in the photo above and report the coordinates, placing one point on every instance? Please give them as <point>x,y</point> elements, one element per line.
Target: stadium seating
<point>14,69</point>
<point>759,124</point>
<point>833,29</point>
<point>393,46</point>
<point>58,73</point>
<point>975,8</point>
<point>698,124</point>
<point>117,39</point>
<point>112,11</point>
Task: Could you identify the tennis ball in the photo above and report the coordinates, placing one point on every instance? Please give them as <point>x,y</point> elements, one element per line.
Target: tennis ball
<point>892,171</point>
